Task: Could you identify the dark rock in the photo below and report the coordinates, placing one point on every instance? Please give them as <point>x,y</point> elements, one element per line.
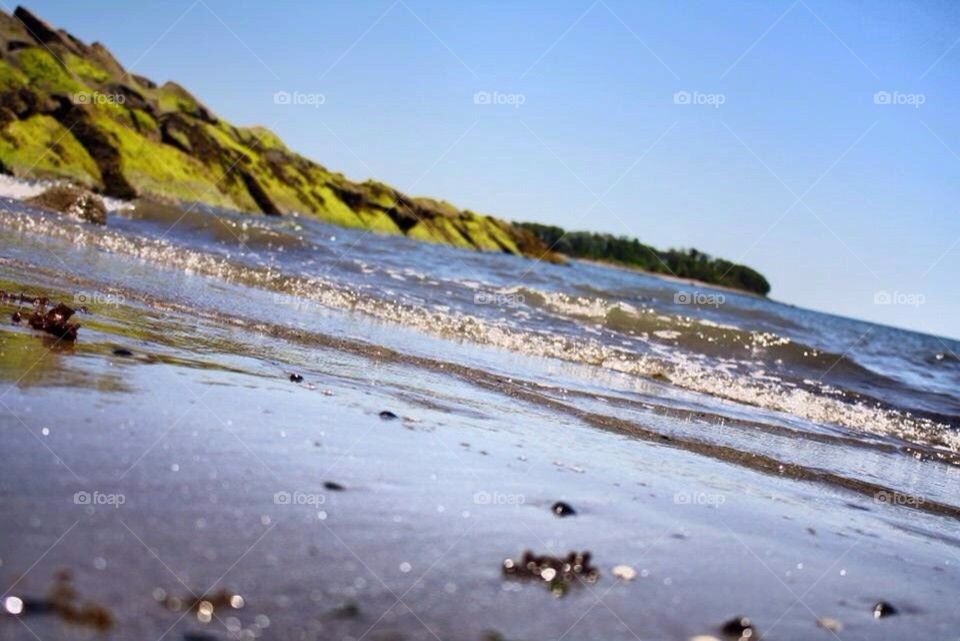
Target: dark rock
<point>17,317</point>
<point>333,486</point>
<point>739,629</point>
<point>562,509</point>
<point>296,378</point>
<point>349,610</point>
<point>73,201</point>
<point>54,321</point>
<point>883,609</point>
<point>122,352</point>
<point>387,415</point>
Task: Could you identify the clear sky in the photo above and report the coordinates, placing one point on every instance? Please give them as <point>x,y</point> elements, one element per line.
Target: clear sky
<point>780,154</point>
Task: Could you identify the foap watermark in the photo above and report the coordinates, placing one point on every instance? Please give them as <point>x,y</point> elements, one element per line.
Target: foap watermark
<point>498,498</point>
<point>496,98</point>
<point>887,497</point>
<point>95,498</point>
<point>298,498</point>
<point>498,299</point>
<point>883,297</point>
<point>97,98</point>
<point>699,498</point>
<point>714,100</point>
<point>98,298</point>
<point>299,99</point>
<point>702,299</point>
<point>897,98</point>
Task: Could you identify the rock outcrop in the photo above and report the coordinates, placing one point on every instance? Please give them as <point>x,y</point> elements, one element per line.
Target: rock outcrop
<point>70,111</point>
<point>74,202</point>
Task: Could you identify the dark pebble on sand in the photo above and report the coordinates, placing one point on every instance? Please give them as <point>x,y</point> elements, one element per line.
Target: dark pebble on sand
<point>739,628</point>
<point>17,317</point>
<point>122,352</point>
<point>562,509</point>
<point>198,636</point>
<point>333,486</point>
<point>387,415</point>
<point>296,378</point>
<point>883,609</point>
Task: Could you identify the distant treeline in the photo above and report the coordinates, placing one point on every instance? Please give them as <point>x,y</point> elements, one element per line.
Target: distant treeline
<point>685,263</point>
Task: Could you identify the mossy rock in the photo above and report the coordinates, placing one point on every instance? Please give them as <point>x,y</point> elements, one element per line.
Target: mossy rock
<point>40,147</point>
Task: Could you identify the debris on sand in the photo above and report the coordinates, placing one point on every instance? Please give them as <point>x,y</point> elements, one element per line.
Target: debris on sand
<point>16,317</point>
<point>559,574</point>
<point>333,486</point>
<point>73,201</point>
<point>296,378</point>
<point>120,351</point>
<point>829,623</point>
<point>64,601</point>
<point>349,610</point>
<point>562,509</point>
<point>55,321</point>
<point>883,609</point>
<point>204,606</point>
<point>624,572</point>
<point>387,415</point>
<point>739,629</point>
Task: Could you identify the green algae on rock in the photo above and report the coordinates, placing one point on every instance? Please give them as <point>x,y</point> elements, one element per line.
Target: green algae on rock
<point>70,111</point>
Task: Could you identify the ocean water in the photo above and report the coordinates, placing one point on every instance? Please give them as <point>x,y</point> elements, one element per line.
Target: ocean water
<point>727,387</point>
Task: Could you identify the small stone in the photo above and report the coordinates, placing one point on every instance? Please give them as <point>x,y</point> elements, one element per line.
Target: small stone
<point>387,415</point>
<point>296,378</point>
<point>17,317</point>
<point>333,486</point>
<point>883,609</point>
<point>122,352</point>
<point>562,509</point>
<point>831,624</point>
<point>739,629</point>
<point>624,572</point>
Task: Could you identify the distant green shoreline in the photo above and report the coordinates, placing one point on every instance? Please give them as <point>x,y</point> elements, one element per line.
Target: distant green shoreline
<point>630,252</point>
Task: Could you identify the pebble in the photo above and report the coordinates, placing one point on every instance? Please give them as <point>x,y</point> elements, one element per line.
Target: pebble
<point>333,486</point>
<point>883,609</point>
<point>739,628</point>
<point>122,352</point>
<point>387,415</point>
<point>624,572</point>
<point>828,623</point>
<point>296,378</point>
<point>562,509</point>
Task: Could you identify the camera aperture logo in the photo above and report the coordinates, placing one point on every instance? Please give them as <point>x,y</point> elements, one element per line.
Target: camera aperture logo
<point>715,100</point>
<point>897,98</point>
<point>498,99</point>
<point>299,498</point>
<point>299,99</point>
<point>701,299</point>
<point>96,498</point>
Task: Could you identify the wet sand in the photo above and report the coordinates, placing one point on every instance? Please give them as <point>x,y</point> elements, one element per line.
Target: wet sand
<point>194,469</point>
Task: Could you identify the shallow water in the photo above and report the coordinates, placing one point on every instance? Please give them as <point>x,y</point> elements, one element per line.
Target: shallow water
<point>743,456</point>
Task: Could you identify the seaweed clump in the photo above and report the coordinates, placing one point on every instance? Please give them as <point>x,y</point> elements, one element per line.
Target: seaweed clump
<point>64,601</point>
<point>55,321</point>
<point>558,573</point>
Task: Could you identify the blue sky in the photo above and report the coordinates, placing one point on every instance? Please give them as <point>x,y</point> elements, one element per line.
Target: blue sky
<point>783,157</point>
